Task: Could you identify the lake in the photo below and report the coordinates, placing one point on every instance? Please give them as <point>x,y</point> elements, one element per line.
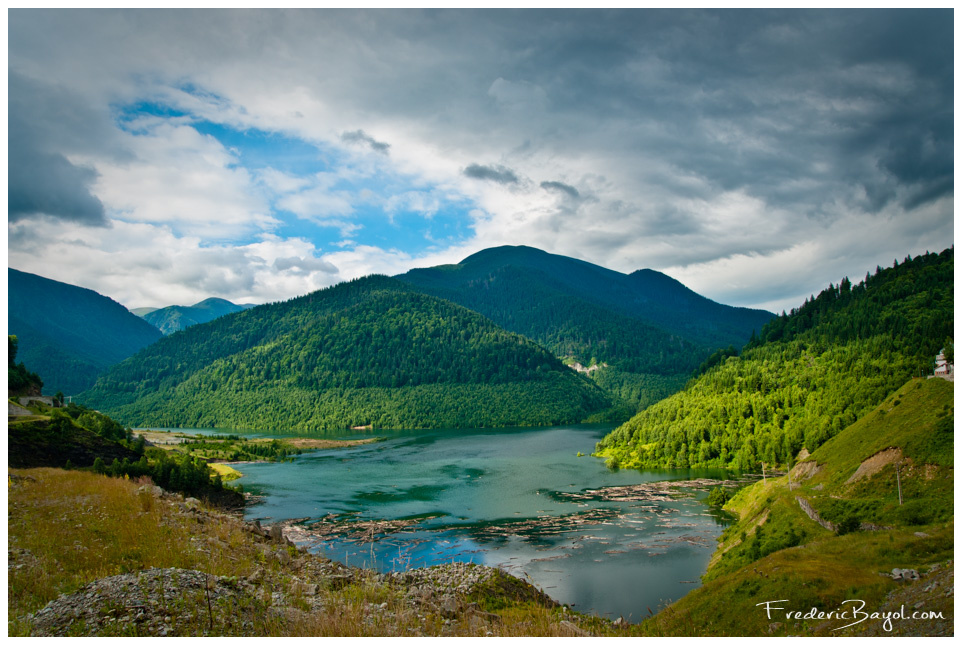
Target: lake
<point>517,498</point>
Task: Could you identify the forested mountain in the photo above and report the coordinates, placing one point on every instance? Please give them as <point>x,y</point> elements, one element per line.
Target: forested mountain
<point>367,352</point>
<point>20,380</point>
<point>69,334</point>
<point>804,378</point>
<point>177,317</point>
<point>650,329</point>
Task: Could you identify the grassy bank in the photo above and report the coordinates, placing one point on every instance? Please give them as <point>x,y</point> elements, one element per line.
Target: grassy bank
<point>778,552</point>
<point>70,528</point>
<point>237,448</point>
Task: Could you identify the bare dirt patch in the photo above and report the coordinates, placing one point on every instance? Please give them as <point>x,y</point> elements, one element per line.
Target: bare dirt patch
<point>875,463</point>
<point>804,470</point>
<point>322,444</point>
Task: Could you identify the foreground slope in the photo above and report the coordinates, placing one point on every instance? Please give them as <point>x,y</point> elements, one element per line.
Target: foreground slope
<point>69,335</point>
<point>370,352</point>
<point>96,556</point>
<point>807,376</point>
<point>830,535</point>
<point>649,330</point>
<point>177,317</point>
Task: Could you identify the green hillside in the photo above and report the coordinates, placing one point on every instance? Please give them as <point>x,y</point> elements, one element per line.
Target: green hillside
<point>806,376</point>
<point>20,380</point>
<point>649,330</point>
<point>177,317</point>
<point>69,335</point>
<point>370,352</point>
<point>777,551</point>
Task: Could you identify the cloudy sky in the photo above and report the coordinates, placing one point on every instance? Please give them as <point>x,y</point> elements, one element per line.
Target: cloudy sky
<point>162,157</point>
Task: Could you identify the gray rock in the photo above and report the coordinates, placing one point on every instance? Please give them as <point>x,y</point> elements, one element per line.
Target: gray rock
<point>155,491</point>
<point>573,629</point>
<point>905,574</point>
<point>305,589</point>
<point>448,606</point>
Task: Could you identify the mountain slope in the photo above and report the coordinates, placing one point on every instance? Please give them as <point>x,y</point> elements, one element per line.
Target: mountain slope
<point>649,330</point>
<point>68,334</point>
<point>807,376</point>
<point>177,317</point>
<point>647,296</point>
<point>873,519</point>
<point>366,352</point>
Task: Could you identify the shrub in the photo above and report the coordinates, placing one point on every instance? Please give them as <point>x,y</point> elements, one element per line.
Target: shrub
<point>915,512</point>
<point>719,496</point>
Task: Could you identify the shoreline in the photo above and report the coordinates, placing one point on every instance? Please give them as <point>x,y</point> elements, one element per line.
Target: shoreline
<point>170,439</point>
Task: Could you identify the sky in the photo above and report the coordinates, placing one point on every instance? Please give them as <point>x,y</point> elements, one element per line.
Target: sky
<point>165,156</point>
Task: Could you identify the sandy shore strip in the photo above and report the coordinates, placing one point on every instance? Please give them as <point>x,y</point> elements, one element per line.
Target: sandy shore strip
<point>173,437</point>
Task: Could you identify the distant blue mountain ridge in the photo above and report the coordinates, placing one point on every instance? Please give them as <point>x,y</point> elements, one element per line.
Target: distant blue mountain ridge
<point>177,317</point>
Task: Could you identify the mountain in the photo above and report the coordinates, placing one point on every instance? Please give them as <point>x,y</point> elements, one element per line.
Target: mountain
<point>807,375</point>
<point>68,334</point>
<point>647,329</point>
<point>20,380</point>
<point>370,352</point>
<point>876,497</point>
<point>177,317</point>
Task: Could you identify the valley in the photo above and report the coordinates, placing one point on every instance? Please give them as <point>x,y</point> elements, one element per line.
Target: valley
<point>481,322</point>
<point>456,444</point>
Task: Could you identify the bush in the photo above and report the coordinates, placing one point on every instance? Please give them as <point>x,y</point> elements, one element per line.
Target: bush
<point>915,512</point>
<point>847,525</point>
<point>719,496</point>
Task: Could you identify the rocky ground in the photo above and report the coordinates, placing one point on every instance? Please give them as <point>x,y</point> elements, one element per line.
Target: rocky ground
<point>928,592</point>
<point>305,588</point>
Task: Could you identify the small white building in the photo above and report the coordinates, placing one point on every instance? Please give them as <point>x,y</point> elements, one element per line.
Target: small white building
<point>943,368</point>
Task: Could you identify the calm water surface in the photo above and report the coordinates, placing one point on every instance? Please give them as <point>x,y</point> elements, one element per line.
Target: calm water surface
<point>519,498</point>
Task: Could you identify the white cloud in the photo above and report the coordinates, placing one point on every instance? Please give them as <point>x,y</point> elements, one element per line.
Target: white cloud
<point>698,144</point>
<point>849,247</point>
<point>184,179</point>
<point>421,202</point>
<point>317,204</point>
<point>280,183</point>
<point>141,264</point>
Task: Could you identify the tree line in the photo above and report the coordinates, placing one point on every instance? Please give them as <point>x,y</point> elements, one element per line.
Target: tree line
<point>805,377</point>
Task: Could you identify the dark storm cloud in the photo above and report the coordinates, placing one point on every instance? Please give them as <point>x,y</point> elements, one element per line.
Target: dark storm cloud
<point>774,136</point>
<point>794,107</point>
<point>48,184</point>
<point>571,191</point>
<point>359,136</point>
<point>46,124</point>
<point>497,174</point>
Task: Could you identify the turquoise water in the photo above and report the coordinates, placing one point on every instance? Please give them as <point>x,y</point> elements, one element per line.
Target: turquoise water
<point>517,498</point>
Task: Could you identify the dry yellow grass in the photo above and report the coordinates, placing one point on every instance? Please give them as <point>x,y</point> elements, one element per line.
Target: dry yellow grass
<point>77,527</point>
<point>226,472</point>
<point>69,528</point>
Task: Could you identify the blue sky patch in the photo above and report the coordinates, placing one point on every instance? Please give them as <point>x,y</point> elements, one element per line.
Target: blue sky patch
<point>386,209</point>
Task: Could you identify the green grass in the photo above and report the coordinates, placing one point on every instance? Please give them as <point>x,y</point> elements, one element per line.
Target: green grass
<point>775,551</point>
<point>917,418</point>
<point>821,574</point>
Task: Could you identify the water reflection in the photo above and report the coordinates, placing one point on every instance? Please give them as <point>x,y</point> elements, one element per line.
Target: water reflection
<point>613,543</point>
